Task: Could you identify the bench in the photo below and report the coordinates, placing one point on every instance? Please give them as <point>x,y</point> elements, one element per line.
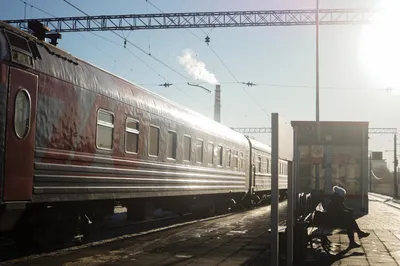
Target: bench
<point>318,229</point>
<point>309,226</point>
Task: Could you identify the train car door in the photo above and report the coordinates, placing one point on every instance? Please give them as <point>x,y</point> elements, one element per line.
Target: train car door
<point>20,135</point>
<point>253,178</point>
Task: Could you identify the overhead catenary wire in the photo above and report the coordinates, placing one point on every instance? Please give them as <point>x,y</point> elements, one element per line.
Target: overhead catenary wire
<point>136,56</point>
<point>148,32</point>
<point>99,36</point>
<point>80,10</point>
<point>37,8</point>
<point>287,86</point>
<point>25,10</point>
<point>133,54</point>
<point>158,9</point>
<point>136,46</point>
<point>82,35</point>
<point>234,77</point>
<point>219,58</point>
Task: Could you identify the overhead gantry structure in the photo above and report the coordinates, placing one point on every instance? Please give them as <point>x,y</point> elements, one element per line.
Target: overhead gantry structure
<point>204,20</point>
<point>255,130</point>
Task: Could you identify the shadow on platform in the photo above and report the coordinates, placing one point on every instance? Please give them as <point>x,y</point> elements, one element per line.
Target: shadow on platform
<point>323,259</point>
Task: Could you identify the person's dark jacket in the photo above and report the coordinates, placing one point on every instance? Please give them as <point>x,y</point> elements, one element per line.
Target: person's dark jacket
<point>336,205</point>
<point>337,212</point>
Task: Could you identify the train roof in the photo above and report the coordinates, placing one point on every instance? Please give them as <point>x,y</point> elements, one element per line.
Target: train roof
<point>64,66</point>
<point>260,146</point>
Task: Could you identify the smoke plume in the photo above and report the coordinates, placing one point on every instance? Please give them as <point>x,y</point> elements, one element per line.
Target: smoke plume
<point>195,68</point>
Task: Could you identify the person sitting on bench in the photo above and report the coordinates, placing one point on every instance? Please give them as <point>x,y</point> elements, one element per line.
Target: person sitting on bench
<point>342,217</point>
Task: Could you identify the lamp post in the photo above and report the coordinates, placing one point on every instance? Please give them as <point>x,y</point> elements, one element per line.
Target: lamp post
<point>317,70</point>
<point>317,91</point>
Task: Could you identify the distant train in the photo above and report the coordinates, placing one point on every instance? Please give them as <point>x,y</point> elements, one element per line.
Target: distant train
<point>76,140</point>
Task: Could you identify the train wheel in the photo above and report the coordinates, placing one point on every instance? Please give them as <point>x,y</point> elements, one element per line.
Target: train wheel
<point>253,203</point>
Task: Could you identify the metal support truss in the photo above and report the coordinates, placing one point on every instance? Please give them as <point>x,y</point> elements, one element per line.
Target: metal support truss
<point>382,130</point>
<point>247,130</point>
<point>204,20</point>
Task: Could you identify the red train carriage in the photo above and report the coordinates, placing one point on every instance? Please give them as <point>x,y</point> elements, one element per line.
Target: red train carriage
<point>75,139</point>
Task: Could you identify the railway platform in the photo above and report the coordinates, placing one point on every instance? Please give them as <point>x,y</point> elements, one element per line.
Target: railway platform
<point>381,247</point>
<point>240,238</point>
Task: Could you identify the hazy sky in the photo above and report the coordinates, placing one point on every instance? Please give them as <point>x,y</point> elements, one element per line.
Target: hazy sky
<point>356,62</point>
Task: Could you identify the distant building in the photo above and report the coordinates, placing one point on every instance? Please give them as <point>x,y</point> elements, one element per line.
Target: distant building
<point>377,161</point>
<point>378,164</point>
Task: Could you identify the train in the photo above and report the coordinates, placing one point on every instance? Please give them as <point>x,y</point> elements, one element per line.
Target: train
<point>76,140</point>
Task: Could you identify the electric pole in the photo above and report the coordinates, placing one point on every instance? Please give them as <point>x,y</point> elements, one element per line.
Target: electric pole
<point>395,168</point>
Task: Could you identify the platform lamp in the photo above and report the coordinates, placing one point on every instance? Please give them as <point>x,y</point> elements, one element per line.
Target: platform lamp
<point>317,90</point>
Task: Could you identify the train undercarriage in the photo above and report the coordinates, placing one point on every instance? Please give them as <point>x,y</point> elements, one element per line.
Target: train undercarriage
<point>45,226</point>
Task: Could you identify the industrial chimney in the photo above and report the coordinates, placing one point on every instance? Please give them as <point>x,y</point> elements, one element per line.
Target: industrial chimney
<point>217,105</point>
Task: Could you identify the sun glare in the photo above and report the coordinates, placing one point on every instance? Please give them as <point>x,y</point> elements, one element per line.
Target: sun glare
<point>380,45</point>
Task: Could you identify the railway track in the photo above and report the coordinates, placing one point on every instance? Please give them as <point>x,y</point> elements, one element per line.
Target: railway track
<point>9,253</point>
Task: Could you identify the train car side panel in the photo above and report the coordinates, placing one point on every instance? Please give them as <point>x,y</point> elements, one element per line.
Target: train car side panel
<point>70,165</point>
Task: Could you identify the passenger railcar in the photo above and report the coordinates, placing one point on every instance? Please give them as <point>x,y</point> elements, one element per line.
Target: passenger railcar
<point>261,178</point>
<point>76,139</point>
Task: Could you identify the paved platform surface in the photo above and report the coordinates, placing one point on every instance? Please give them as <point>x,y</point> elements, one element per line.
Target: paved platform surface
<point>382,247</point>
<point>239,239</point>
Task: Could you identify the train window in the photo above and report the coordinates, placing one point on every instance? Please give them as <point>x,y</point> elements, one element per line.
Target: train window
<point>171,145</point>
<point>220,153</point>
<point>262,164</point>
<point>131,135</point>
<point>105,129</point>
<point>210,153</point>
<point>235,159</point>
<point>259,163</point>
<point>154,140</point>
<point>229,155</point>
<point>20,49</point>
<point>187,144</point>
<point>241,160</point>
<point>199,151</point>
<point>22,113</point>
